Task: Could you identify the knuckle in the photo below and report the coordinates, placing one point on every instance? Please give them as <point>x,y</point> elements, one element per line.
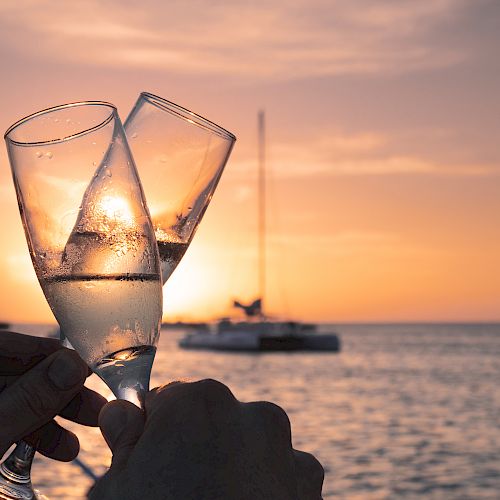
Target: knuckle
<point>311,465</point>
<point>211,390</point>
<point>317,468</point>
<point>276,415</point>
<point>273,420</point>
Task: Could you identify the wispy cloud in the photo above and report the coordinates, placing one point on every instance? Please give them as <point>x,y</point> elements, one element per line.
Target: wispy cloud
<point>264,39</point>
<point>338,153</point>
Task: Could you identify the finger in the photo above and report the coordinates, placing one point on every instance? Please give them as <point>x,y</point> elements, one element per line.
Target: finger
<point>84,408</point>
<point>215,396</point>
<point>55,442</point>
<point>40,394</point>
<point>122,424</point>
<point>310,475</point>
<point>153,393</point>
<point>274,421</point>
<point>160,396</point>
<point>8,380</point>
<point>19,353</point>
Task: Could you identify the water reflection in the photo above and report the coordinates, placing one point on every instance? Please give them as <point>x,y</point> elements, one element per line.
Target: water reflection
<point>403,411</point>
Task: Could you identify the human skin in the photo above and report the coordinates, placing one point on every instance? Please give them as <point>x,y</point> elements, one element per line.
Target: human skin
<point>40,379</point>
<point>197,441</point>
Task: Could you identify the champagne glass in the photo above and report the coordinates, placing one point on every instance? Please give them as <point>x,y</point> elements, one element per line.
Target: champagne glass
<point>92,245</point>
<point>180,156</point>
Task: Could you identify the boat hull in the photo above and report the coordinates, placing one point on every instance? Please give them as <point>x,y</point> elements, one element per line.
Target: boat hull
<point>250,342</point>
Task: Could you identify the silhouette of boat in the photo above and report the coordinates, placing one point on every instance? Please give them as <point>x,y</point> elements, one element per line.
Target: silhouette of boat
<point>261,336</point>
<point>259,333</point>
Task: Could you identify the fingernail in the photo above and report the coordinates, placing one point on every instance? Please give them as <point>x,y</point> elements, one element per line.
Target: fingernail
<point>65,371</point>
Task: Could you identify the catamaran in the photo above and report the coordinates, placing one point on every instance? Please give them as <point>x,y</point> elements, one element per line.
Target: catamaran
<point>259,332</point>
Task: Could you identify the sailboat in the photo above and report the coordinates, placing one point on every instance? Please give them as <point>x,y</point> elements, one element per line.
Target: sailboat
<point>258,332</point>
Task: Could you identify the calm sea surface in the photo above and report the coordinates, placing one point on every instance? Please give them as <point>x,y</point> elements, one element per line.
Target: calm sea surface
<point>404,411</point>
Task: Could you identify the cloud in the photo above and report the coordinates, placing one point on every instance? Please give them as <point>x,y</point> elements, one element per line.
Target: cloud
<point>339,154</point>
<point>259,40</point>
<point>101,30</point>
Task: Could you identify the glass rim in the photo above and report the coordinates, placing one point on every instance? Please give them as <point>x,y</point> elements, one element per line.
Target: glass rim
<point>27,118</point>
<point>180,111</point>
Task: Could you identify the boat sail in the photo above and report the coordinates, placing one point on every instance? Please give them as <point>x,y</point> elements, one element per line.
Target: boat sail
<point>258,332</point>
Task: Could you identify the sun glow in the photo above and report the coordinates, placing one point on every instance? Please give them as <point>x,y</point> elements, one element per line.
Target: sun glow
<point>117,209</point>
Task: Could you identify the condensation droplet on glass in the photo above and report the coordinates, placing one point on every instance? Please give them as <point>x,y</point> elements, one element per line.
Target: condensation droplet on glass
<point>134,135</point>
<point>94,163</point>
<point>149,141</point>
<point>163,159</point>
<point>39,154</point>
<point>49,154</point>
<point>94,143</point>
<point>107,172</point>
<point>68,120</point>
<point>56,120</point>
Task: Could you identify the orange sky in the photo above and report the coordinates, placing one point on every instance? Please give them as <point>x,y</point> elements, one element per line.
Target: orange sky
<point>383,122</point>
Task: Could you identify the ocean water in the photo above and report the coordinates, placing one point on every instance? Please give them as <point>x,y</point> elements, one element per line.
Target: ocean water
<point>403,411</point>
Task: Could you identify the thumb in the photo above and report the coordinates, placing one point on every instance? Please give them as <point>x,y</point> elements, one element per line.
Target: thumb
<point>40,394</point>
<point>122,424</point>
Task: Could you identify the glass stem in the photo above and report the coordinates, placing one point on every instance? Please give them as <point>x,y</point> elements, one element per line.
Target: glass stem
<point>127,372</point>
<point>134,394</point>
<point>17,467</point>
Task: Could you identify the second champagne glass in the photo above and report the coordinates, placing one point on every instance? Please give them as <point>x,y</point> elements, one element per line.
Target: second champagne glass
<point>180,156</point>
<point>90,238</point>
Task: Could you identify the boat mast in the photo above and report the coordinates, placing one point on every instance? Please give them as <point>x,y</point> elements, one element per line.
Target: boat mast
<point>262,210</point>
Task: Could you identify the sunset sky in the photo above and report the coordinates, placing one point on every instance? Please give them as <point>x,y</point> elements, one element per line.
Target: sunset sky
<point>383,128</point>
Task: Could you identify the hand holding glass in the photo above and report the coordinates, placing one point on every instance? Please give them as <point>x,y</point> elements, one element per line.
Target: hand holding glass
<point>90,238</point>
